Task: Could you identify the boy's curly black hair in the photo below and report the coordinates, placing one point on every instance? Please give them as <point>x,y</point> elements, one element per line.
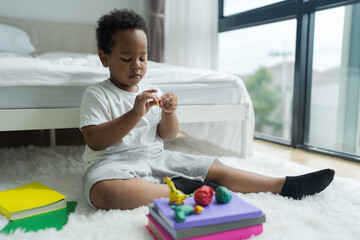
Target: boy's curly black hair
<point>114,21</point>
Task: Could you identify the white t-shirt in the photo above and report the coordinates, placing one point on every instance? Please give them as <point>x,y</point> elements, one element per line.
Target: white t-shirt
<point>104,102</point>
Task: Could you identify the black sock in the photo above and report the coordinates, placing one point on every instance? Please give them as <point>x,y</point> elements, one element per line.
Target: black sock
<point>188,186</point>
<point>298,187</point>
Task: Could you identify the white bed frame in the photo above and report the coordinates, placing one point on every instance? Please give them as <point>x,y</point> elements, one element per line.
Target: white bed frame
<point>48,36</point>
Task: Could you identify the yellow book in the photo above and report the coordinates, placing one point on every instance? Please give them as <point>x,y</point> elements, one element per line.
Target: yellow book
<point>30,199</point>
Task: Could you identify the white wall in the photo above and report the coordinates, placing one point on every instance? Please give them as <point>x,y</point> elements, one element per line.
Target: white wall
<point>69,11</point>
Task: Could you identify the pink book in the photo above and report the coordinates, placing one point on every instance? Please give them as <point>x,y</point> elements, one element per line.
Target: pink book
<point>241,233</point>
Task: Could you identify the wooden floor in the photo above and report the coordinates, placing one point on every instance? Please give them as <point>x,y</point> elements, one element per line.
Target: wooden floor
<point>314,160</point>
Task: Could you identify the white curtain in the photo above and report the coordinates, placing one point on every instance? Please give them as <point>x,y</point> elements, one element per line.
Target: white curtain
<point>191,28</point>
<point>191,32</point>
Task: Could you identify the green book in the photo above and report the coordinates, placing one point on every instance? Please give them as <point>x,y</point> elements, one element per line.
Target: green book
<point>54,219</point>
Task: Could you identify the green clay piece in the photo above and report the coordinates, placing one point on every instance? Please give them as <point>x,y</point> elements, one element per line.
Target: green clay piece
<point>222,195</point>
<point>181,211</point>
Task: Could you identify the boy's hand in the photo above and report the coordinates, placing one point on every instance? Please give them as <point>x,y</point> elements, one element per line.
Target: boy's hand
<point>144,101</point>
<point>168,102</point>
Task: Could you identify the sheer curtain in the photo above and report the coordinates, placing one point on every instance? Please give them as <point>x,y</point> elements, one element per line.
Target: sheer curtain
<point>191,29</point>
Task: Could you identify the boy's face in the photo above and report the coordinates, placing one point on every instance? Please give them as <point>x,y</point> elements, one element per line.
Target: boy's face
<point>127,61</point>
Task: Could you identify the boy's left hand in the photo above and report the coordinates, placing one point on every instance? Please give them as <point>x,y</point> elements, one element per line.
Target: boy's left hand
<point>168,102</point>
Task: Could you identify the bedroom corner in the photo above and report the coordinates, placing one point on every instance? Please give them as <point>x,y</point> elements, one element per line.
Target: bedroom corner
<point>268,87</point>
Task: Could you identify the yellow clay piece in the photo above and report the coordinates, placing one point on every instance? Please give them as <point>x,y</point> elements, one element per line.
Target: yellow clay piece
<point>175,195</point>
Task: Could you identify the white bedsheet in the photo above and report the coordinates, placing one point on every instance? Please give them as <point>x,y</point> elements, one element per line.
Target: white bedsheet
<point>16,71</point>
<point>85,69</point>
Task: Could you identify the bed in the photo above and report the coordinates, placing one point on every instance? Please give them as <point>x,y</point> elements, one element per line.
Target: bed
<point>42,88</point>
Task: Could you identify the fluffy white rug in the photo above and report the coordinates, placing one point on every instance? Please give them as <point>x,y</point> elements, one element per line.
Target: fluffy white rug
<point>332,214</point>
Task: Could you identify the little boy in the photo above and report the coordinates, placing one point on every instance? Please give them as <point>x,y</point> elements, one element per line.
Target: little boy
<point>125,121</point>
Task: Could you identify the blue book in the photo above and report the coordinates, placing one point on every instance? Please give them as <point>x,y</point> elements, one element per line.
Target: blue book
<point>215,213</point>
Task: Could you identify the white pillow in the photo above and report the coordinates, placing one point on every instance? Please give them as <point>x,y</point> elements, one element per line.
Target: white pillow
<point>15,40</point>
<point>57,55</point>
<point>12,54</point>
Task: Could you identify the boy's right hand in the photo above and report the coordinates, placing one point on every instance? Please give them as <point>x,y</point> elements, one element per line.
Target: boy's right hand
<point>144,101</point>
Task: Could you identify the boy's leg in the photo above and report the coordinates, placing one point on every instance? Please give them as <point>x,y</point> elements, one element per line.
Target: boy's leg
<point>126,194</point>
<point>243,181</point>
<point>295,187</point>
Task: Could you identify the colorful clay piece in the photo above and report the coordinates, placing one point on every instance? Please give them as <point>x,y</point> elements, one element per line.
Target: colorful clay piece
<point>175,195</point>
<point>184,210</point>
<point>203,195</point>
<point>222,195</point>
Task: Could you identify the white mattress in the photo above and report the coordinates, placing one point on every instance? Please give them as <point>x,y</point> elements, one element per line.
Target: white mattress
<point>70,96</point>
<point>59,80</point>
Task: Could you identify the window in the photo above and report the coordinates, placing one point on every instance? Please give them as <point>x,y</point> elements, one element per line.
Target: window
<point>264,59</point>
<point>334,109</point>
<point>236,6</point>
<point>300,60</point>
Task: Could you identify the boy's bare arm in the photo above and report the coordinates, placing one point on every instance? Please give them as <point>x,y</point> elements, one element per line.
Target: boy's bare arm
<point>99,137</point>
<point>168,127</point>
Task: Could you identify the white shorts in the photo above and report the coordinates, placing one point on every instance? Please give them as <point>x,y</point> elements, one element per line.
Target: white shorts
<point>152,165</point>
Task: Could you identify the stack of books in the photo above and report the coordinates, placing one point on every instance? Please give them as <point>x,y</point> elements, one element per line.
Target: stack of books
<point>34,207</point>
<point>236,219</point>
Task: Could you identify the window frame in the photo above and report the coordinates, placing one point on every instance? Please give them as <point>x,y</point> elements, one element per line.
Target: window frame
<point>304,12</point>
